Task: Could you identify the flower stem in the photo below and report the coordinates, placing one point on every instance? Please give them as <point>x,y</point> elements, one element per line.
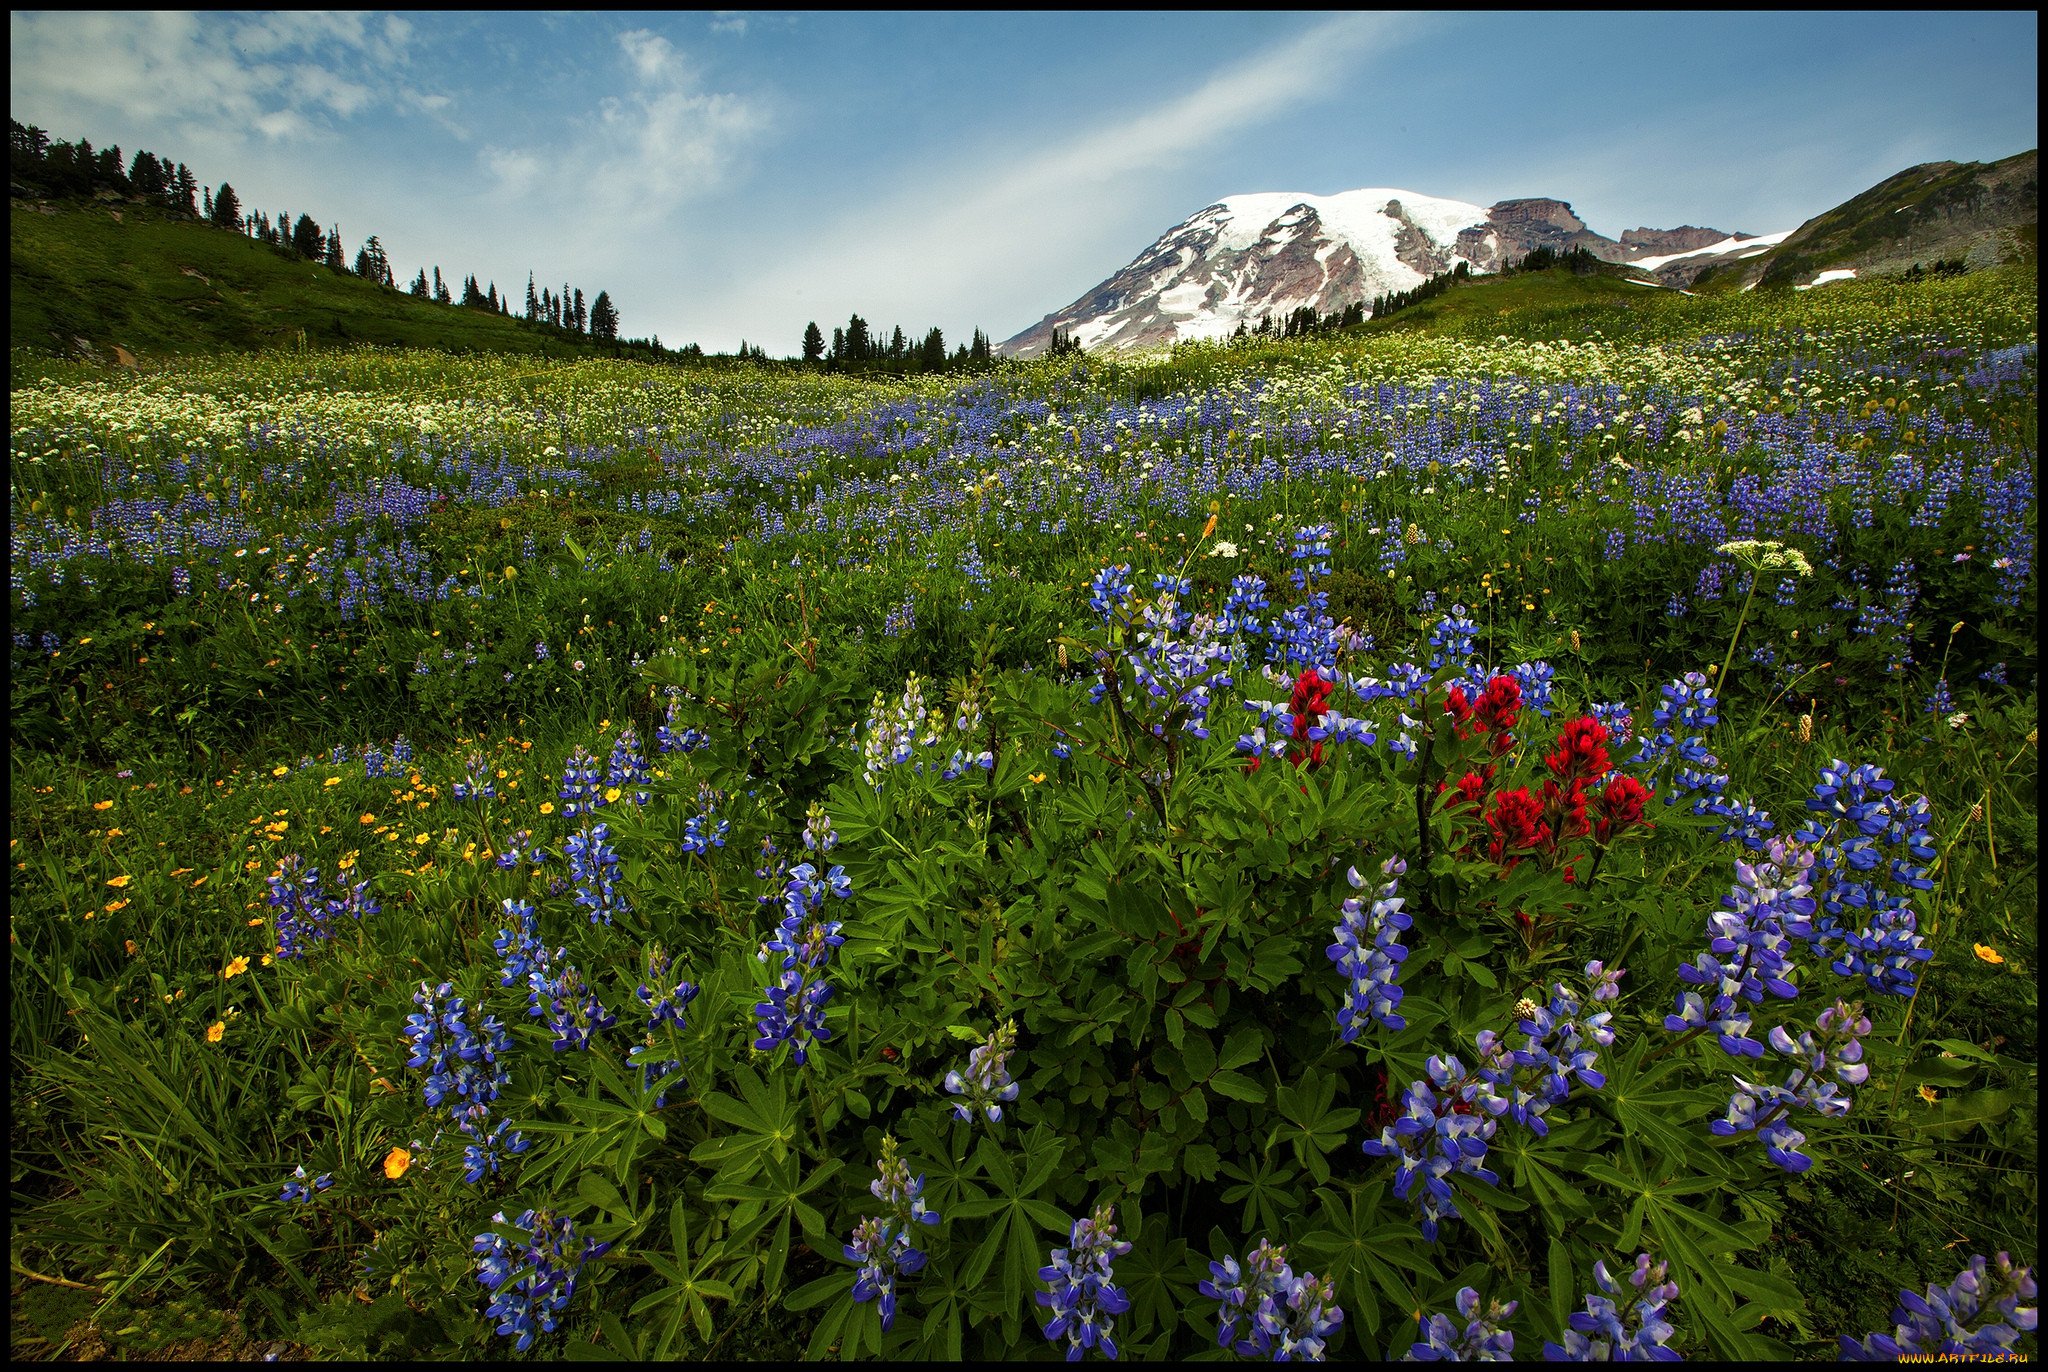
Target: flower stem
<point>1721,681</point>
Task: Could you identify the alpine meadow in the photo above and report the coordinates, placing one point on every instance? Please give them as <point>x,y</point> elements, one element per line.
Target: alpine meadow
<point>1399,780</point>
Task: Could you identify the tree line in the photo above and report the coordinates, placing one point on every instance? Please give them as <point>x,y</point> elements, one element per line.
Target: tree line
<point>41,166</point>
<point>856,346</point>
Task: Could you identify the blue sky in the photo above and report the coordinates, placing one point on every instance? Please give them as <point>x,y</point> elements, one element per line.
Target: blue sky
<point>730,175</point>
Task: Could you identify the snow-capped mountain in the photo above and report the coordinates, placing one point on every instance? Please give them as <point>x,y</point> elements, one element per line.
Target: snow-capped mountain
<point>1250,256</point>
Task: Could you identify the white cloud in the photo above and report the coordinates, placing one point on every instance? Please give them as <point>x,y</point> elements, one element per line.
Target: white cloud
<point>516,173</point>
<point>1012,237</point>
<point>287,74</point>
<point>654,58</point>
<point>726,22</point>
<point>643,151</point>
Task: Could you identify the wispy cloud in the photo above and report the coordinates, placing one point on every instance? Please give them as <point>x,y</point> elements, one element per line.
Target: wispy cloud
<point>950,234</point>
<point>657,142</point>
<point>284,75</point>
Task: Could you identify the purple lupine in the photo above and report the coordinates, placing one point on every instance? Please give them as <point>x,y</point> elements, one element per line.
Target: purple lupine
<point>1600,1333</point>
<point>532,1277</point>
<point>882,1244</point>
<point>665,1005</point>
<point>1482,1339</point>
<point>1368,952</point>
<point>985,1088</point>
<point>1752,940</point>
<point>792,1008</point>
<point>1288,1318</point>
<point>1978,1314</point>
<point>1834,1046</point>
<point>298,1189</point>
<point>1081,1297</point>
<point>594,868</point>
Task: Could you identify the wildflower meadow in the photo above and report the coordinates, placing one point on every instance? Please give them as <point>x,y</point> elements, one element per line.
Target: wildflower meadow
<point>1457,845</point>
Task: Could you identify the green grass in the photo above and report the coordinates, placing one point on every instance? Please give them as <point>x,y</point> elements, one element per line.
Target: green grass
<point>154,285</point>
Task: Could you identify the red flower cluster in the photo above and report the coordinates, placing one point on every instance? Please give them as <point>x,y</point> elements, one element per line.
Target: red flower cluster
<point>1516,824</point>
<point>1580,750</point>
<point>1621,807</point>
<point>1493,714</point>
<point>1309,703</point>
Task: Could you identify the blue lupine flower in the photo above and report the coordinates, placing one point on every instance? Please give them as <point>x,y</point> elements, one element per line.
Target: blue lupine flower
<point>665,1004</point>
<point>1835,1046</point>
<point>573,1013</point>
<point>1368,953</point>
<point>882,1245</point>
<point>704,830</point>
<point>594,868</point>
<point>1598,1333</point>
<point>532,1277</point>
<point>1311,555</point>
<point>668,740</point>
<point>1110,589</point>
<point>1288,1318</point>
<point>1447,1121</point>
<point>1452,638</point>
<point>581,793</point>
<point>792,1008</point>
<point>1082,1300</point>
<point>1483,1340</point>
<point>476,780</point>
<point>1977,1315</point>
<point>627,766</point>
<point>298,1191</point>
<point>986,1085</point>
<point>304,909</point>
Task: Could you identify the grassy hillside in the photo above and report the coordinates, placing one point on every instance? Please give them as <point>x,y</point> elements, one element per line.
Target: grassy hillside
<point>135,278</point>
<point>1985,212</point>
<point>1538,301</point>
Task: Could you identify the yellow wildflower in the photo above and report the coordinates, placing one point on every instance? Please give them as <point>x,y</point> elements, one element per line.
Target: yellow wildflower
<point>235,968</point>
<point>1989,954</point>
<point>395,1163</point>
<point>215,1030</point>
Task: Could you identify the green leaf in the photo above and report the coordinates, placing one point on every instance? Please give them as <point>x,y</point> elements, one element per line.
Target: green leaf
<point>1237,1086</point>
<point>1564,1286</point>
<point>1242,1046</point>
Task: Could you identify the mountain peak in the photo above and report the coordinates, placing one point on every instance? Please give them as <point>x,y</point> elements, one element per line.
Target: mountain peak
<point>1269,253</point>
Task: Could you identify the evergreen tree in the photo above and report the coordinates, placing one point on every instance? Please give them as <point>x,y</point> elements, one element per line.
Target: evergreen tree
<point>814,343</point>
<point>27,146</point>
<point>307,240</point>
<point>441,296</point>
<point>333,257</point>
<point>227,208</point>
<point>604,319</point>
<point>147,175</point>
<point>206,203</point>
<point>581,323</point>
<point>419,284</point>
<point>978,350</point>
<point>185,187</point>
<point>857,339</point>
<point>532,300</point>
<point>838,353</point>
<point>372,264</point>
<point>897,345</point>
<point>107,172</point>
<point>932,356</point>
